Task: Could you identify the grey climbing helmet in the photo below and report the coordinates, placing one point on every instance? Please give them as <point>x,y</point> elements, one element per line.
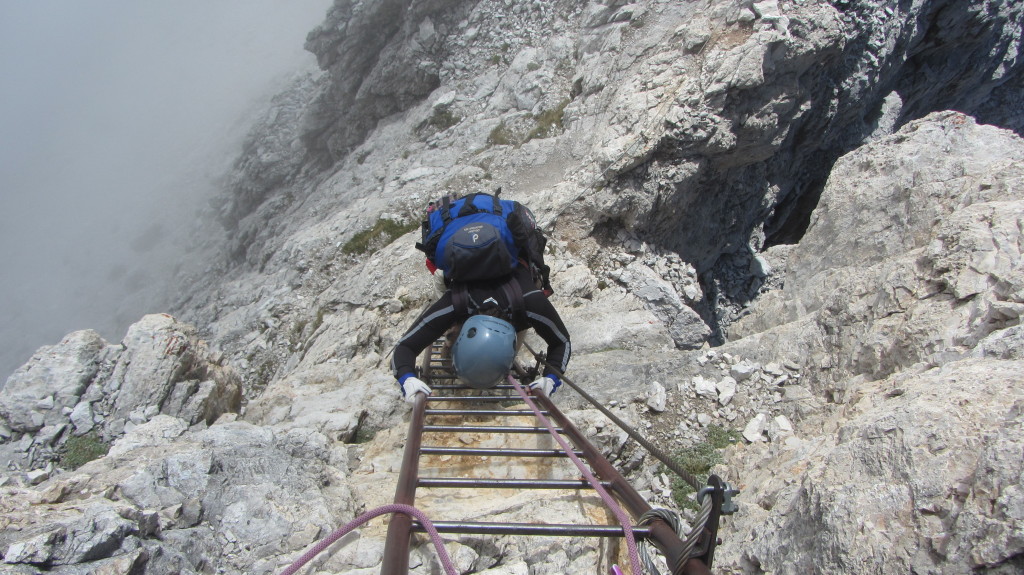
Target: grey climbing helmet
<point>484,351</point>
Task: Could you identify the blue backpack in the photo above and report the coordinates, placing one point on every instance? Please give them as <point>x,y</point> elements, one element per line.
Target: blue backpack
<point>481,237</point>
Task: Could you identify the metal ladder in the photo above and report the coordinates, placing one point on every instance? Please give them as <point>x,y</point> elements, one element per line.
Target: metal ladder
<point>436,369</point>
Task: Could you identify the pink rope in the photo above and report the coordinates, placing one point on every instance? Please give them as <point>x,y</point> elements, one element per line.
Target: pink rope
<point>624,520</point>
<point>446,560</point>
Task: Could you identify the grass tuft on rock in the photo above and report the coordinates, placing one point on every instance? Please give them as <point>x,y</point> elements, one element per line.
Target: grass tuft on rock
<point>381,234</point>
<point>79,450</point>
<point>548,122</point>
<point>501,135</point>
<point>698,460</point>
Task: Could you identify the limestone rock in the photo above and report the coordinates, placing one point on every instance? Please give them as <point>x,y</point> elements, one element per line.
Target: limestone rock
<point>755,175</point>
<point>755,428</point>
<point>92,387</point>
<point>82,418</point>
<point>688,330</point>
<point>705,387</point>
<point>37,476</point>
<point>616,320</point>
<point>726,388</point>
<point>220,479</point>
<point>743,370</point>
<point>800,401</point>
<point>780,428</point>
<point>577,282</point>
<point>59,373</point>
<point>162,365</point>
<point>921,265</point>
<point>909,458</point>
<point>35,549</point>
<point>657,397</point>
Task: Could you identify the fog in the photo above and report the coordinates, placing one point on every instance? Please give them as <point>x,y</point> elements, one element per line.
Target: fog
<point>116,116</point>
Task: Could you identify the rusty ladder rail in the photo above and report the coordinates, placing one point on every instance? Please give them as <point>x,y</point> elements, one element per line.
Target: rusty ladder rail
<point>401,527</point>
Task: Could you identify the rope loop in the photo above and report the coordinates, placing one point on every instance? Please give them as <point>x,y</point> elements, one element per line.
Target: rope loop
<point>442,553</point>
<point>669,517</point>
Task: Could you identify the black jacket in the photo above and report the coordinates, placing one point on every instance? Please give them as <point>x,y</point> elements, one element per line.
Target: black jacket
<point>435,321</point>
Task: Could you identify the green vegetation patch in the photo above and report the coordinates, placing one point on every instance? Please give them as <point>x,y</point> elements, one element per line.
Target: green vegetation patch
<point>501,135</point>
<point>698,460</point>
<point>443,119</point>
<point>545,124</point>
<point>720,437</point>
<point>381,234</point>
<point>79,450</point>
<point>302,327</point>
<point>548,121</point>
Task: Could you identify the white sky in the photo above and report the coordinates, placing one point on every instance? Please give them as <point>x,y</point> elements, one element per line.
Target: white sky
<point>114,115</point>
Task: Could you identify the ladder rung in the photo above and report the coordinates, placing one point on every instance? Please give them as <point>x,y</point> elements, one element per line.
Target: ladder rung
<point>485,429</point>
<point>466,451</point>
<point>476,398</point>
<point>436,387</point>
<point>477,483</point>
<point>497,412</point>
<point>538,529</point>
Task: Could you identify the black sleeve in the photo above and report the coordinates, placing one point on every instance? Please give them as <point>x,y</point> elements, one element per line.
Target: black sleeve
<point>545,320</point>
<point>429,326</point>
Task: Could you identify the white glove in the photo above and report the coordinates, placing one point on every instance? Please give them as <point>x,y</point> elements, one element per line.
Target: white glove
<point>545,384</point>
<point>412,386</point>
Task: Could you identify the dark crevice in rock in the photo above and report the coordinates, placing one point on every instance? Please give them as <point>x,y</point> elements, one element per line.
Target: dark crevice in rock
<point>792,215</point>
<point>955,55</point>
<point>961,60</point>
<point>949,65</point>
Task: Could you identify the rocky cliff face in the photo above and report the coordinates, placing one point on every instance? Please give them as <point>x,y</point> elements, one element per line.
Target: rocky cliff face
<point>765,177</point>
<point>904,300</point>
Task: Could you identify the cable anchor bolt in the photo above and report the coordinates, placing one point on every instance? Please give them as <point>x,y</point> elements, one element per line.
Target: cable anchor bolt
<point>728,506</point>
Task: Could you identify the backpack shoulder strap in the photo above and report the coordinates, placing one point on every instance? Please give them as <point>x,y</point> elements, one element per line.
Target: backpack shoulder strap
<point>514,294</point>
<point>497,203</point>
<point>446,210</point>
<point>460,299</point>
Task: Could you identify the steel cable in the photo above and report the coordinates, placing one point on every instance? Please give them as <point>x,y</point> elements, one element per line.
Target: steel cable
<point>627,526</point>
<point>705,511</point>
<point>669,517</point>
<point>657,453</point>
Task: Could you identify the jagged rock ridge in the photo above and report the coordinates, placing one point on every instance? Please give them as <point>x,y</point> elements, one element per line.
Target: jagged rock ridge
<point>673,151</point>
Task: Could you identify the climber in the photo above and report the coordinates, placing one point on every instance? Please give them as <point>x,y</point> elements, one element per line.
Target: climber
<point>493,311</point>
